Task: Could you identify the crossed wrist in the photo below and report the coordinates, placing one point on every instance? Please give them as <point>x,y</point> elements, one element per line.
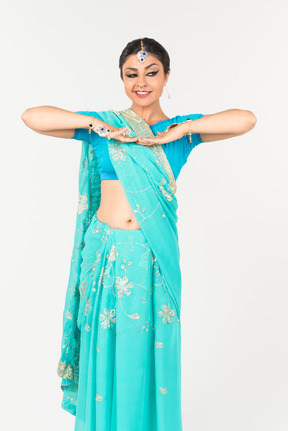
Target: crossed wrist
<point>104,129</point>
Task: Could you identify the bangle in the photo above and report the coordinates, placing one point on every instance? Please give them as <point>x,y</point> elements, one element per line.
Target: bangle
<point>189,130</point>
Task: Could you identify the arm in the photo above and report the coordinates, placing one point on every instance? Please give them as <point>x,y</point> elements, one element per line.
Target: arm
<point>222,125</point>
<point>52,121</point>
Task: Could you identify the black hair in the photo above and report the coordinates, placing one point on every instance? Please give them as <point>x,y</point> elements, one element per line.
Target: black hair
<point>151,46</point>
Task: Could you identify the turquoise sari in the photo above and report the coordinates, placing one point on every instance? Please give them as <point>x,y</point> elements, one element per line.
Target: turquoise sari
<point>150,187</point>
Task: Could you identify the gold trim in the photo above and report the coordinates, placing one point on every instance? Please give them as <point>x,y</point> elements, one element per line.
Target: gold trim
<point>141,128</point>
<point>65,370</point>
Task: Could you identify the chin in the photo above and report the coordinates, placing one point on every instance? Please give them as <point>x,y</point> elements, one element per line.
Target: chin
<point>143,102</point>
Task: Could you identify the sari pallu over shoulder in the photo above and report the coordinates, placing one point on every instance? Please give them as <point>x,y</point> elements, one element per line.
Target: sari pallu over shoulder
<point>150,187</point>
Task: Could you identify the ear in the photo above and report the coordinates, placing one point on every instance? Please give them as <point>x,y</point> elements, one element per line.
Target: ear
<point>167,76</point>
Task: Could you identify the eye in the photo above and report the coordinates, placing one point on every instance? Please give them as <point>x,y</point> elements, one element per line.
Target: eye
<point>148,74</point>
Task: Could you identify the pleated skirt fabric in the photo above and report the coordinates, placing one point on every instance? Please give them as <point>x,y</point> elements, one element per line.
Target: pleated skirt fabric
<point>130,349</point>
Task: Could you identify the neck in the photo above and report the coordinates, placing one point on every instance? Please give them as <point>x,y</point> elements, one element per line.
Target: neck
<point>151,113</point>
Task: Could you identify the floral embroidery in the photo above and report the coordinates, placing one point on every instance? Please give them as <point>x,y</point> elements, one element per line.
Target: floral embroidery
<point>163,390</point>
<point>87,307</point>
<point>107,318</point>
<point>99,397</point>
<point>101,276</point>
<point>166,313</point>
<point>108,278</point>
<point>146,326</point>
<point>82,203</point>
<point>96,230</point>
<point>91,261</point>
<point>87,327</point>
<point>143,209</point>
<point>68,315</point>
<point>159,345</point>
<point>117,152</point>
<point>122,285</point>
<point>83,288</point>
<point>167,195</point>
<point>113,253</point>
<point>129,263</point>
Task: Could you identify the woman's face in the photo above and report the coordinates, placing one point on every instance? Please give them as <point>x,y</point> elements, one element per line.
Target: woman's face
<point>147,76</point>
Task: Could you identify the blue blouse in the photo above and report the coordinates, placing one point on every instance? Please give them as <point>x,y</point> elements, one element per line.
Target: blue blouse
<point>177,151</point>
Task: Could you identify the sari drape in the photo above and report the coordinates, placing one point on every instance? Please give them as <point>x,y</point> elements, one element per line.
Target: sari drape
<point>150,187</point>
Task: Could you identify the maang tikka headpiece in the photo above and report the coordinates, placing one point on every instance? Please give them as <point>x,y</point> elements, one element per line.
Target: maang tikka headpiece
<point>142,54</point>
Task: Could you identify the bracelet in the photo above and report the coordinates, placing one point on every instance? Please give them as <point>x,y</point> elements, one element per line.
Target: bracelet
<point>102,130</point>
<point>189,130</point>
<point>91,126</point>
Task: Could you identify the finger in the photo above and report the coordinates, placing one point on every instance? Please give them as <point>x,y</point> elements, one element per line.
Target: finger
<point>120,133</point>
<point>119,136</point>
<point>124,130</point>
<point>148,140</point>
<point>127,139</point>
<point>130,138</point>
<point>120,130</point>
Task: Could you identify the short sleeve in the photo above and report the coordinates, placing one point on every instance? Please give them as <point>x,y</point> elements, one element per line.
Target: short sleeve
<point>83,134</point>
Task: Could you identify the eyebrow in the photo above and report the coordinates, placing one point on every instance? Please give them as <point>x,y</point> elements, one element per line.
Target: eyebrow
<point>135,68</point>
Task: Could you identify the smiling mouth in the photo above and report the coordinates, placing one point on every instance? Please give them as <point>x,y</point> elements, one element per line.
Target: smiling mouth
<point>142,93</point>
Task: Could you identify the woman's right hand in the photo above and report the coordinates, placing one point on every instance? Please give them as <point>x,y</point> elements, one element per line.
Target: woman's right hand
<point>117,133</point>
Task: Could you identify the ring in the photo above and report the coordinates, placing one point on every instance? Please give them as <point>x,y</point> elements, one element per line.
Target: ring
<point>102,131</point>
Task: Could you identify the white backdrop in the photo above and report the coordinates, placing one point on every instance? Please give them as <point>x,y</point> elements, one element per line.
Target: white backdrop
<point>232,197</point>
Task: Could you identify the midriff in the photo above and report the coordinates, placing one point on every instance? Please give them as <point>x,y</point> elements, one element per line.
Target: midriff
<point>114,208</point>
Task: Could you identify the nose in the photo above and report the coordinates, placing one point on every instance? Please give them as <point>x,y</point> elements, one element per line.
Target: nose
<point>141,82</point>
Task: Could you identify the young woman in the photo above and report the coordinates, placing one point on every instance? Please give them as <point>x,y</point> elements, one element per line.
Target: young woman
<point>121,346</point>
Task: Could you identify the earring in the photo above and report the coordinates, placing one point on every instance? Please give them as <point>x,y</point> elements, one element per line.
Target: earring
<point>167,92</point>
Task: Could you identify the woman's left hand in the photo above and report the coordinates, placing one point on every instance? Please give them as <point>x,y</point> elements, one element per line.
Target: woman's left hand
<point>172,133</point>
